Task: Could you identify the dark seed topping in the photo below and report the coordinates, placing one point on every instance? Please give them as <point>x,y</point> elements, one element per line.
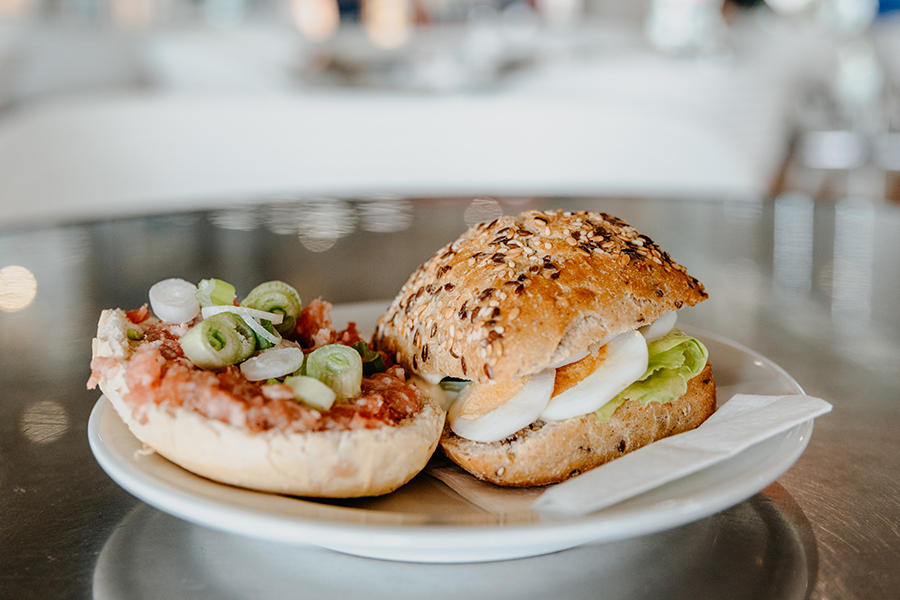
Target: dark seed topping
<point>462,363</point>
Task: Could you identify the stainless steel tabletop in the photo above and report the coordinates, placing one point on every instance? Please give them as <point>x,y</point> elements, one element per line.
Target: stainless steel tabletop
<point>812,286</point>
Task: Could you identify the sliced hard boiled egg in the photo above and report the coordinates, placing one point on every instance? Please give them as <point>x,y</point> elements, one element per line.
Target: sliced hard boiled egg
<point>660,327</point>
<point>490,412</point>
<point>620,363</point>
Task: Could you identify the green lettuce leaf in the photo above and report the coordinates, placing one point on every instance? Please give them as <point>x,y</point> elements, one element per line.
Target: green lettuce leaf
<point>674,360</point>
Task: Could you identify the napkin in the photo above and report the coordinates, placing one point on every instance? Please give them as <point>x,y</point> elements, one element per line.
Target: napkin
<point>742,422</point>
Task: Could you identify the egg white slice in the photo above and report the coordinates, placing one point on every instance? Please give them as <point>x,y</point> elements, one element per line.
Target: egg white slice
<point>519,411</point>
<point>660,327</point>
<point>625,361</point>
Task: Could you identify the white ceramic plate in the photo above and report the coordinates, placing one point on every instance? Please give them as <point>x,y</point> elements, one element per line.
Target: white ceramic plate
<point>425,521</point>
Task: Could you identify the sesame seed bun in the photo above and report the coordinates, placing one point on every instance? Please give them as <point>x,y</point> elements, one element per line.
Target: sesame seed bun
<point>516,295</point>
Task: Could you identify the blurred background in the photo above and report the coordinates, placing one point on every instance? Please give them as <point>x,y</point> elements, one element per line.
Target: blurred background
<point>336,144</point>
<point>111,107</point>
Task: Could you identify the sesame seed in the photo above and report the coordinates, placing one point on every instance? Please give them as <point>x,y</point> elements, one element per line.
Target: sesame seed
<point>514,313</point>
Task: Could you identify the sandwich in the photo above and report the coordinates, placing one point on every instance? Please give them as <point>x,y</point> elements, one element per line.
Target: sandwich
<point>552,336</point>
<point>263,394</point>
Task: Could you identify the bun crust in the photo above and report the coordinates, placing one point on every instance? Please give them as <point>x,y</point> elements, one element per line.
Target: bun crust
<point>332,464</point>
<point>552,452</point>
<point>518,294</point>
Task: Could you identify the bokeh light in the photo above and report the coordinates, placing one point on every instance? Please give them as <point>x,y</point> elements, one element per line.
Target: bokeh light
<point>18,287</point>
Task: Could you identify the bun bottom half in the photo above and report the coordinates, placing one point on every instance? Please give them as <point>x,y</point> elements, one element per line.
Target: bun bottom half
<point>325,464</point>
<point>551,452</point>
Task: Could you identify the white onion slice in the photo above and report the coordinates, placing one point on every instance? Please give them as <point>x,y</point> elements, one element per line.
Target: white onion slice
<point>273,338</point>
<point>626,360</point>
<point>243,311</point>
<point>660,327</point>
<point>519,411</point>
<point>173,301</point>
<point>272,363</point>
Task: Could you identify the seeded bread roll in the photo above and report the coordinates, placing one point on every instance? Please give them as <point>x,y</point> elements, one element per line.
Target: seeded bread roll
<point>551,452</point>
<point>518,294</point>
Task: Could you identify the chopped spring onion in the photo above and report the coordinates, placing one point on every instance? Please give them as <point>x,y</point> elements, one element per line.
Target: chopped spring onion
<point>243,311</point>
<point>219,341</point>
<point>135,335</point>
<point>311,392</point>
<point>276,297</point>
<point>272,363</point>
<point>173,301</point>
<point>263,343</point>
<point>250,317</point>
<point>338,366</point>
<point>373,362</point>
<point>212,292</point>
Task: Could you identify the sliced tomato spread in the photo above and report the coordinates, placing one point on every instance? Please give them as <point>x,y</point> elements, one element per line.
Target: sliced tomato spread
<point>158,372</point>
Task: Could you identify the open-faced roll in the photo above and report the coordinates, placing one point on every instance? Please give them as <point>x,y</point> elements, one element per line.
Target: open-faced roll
<point>276,419</point>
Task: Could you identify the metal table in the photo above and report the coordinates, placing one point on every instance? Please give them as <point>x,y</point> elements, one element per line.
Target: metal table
<point>812,286</point>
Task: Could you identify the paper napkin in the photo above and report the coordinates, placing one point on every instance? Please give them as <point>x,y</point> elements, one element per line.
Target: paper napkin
<point>740,423</point>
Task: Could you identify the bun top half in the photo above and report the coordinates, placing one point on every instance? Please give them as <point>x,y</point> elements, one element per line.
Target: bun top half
<point>516,295</point>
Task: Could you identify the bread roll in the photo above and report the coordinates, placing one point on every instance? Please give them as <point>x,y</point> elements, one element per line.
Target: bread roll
<point>518,295</point>
<point>333,464</point>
